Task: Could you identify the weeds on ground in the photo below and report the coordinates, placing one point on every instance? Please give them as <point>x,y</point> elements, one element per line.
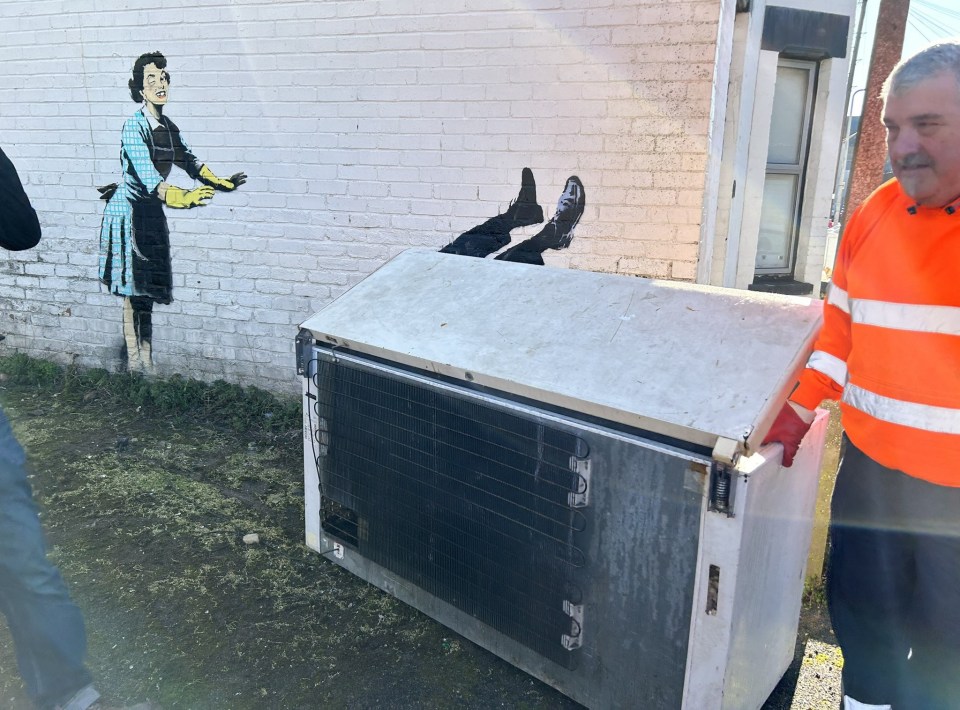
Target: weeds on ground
<point>247,409</point>
<point>149,490</point>
<point>815,592</point>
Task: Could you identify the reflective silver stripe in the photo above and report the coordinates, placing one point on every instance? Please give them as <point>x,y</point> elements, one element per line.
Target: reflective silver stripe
<point>830,365</point>
<point>839,298</point>
<point>942,420</point>
<point>906,316</point>
<point>900,316</point>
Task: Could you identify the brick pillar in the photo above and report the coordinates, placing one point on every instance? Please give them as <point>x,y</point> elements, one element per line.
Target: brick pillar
<point>870,152</point>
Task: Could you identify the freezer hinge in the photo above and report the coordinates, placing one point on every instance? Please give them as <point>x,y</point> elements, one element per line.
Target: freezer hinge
<point>574,639</point>
<point>722,479</point>
<point>727,451</point>
<point>580,497</point>
<point>304,343</point>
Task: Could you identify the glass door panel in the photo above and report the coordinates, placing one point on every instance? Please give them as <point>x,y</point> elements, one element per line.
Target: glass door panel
<point>786,164</point>
<point>777,221</point>
<point>789,109</point>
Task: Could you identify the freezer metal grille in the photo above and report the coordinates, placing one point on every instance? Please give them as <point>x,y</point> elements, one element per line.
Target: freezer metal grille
<point>476,505</point>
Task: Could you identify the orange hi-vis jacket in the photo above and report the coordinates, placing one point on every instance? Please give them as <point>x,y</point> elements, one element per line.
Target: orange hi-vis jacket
<point>889,347</point>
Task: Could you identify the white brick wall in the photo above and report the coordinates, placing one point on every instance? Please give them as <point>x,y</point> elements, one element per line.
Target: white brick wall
<point>365,127</point>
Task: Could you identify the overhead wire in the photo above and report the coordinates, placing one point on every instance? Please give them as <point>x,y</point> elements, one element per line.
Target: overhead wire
<point>917,21</point>
<point>935,13</point>
<point>931,20</point>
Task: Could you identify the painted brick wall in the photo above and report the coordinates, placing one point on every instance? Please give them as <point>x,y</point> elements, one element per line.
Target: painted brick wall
<point>365,127</point>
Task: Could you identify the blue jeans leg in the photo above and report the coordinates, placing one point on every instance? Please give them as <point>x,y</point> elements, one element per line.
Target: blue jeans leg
<point>46,625</point>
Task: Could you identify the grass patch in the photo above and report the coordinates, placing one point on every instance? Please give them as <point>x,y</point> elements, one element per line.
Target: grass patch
<point>242,408</point>
<point>146,489</point>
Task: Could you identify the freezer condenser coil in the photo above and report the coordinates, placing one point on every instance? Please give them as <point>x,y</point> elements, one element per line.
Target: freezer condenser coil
<point>476,506</point>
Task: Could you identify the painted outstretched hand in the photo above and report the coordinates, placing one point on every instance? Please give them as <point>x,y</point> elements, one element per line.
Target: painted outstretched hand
<point>237,179</point>
<point>179,198</point>
<point>228,185</point>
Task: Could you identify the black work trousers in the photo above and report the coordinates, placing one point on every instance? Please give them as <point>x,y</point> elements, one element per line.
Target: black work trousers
<point>894,585</point>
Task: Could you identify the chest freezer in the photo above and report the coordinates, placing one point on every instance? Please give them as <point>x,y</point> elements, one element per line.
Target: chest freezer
<point>565,468</point>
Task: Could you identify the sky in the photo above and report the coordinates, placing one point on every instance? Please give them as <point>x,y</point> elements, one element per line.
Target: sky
<point>928,21</point>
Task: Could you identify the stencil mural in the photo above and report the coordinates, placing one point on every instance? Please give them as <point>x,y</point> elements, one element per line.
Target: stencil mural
<point>494,234</point>
<point>134,237</point>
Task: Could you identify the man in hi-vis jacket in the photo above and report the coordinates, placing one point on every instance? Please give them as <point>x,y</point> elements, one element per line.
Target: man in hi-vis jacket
<point>889,350</point>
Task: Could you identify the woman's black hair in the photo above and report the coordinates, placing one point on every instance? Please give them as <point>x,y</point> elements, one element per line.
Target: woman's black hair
<point>136,81</point>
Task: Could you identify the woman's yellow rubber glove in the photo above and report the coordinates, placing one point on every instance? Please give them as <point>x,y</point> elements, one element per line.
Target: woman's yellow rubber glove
<point>183,199</point>
<point>228,185</point>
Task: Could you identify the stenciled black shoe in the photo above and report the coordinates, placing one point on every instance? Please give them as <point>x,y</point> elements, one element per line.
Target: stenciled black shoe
<point>557,233</point>
<point>524,210</point>
<point>494,234</point>
<point>569,211</point>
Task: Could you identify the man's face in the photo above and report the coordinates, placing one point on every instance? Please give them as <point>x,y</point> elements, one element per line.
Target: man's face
<point>923,139</point>
<point>154,85</point>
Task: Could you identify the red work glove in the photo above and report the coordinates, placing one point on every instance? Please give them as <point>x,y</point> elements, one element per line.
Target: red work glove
<point>788,429</point>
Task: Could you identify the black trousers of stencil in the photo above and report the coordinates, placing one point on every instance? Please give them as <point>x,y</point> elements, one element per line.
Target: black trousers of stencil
<point>894,585</point>
<point>142,318</point>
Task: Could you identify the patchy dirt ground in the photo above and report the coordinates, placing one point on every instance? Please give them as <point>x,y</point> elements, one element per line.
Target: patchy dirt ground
<point>145,516</point>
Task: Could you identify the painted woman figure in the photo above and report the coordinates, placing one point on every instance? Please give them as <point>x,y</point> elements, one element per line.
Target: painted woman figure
<point>134,237</point>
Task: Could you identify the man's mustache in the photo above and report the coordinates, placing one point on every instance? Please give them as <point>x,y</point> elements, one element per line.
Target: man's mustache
<point>914,160</point>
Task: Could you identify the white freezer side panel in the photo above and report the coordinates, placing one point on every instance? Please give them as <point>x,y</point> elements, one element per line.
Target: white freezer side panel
<point>311,477</point>
<point>739,654</point>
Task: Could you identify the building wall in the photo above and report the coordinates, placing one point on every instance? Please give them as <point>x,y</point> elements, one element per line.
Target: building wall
<point>825,142</point>
<point>365,128</point>
<point>747,128</point>
<point>723,87</point>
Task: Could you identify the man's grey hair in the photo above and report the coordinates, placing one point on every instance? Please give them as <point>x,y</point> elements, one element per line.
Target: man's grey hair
<point>939,57</point>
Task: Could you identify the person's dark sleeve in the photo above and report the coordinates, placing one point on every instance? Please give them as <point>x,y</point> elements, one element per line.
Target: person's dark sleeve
<point>183,157</point>
<point>19,226</point>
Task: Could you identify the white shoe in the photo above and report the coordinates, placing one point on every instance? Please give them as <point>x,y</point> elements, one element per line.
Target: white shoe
<point>851,704</point>
<point>81,700</point>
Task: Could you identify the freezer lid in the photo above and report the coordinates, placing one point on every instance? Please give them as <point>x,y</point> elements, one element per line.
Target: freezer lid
<point>706,365</point>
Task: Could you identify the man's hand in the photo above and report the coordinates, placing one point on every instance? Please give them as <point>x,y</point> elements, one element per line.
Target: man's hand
<point>788,429</point>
